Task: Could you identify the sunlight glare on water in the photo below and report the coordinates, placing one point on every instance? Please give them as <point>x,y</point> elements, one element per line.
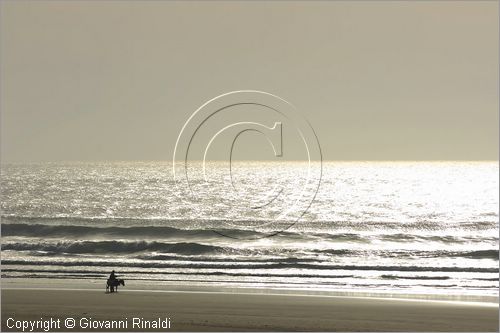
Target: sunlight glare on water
<point>414,227</point>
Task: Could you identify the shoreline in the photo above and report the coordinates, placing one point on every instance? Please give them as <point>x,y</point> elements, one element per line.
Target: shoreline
<point>173,286</point>
<point>216,309</point>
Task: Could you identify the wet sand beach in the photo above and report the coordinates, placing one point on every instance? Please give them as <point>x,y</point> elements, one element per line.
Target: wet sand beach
<point>215,310</point>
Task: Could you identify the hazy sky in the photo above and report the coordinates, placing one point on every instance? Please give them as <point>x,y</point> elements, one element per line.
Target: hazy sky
<point>377,80</point>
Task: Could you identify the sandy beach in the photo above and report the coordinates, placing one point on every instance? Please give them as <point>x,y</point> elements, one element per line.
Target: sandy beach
<point>216,310</point>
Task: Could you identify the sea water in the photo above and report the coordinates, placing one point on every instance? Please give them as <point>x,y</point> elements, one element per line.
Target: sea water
<point>408,227</point>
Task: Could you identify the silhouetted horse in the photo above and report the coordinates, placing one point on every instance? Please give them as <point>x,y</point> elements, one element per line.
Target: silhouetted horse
<point>111,285</point>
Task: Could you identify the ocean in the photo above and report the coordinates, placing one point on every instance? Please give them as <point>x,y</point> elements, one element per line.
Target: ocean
<point>388,227</point>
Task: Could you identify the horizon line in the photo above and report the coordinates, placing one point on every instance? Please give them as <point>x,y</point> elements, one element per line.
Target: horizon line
<point>250,161</point>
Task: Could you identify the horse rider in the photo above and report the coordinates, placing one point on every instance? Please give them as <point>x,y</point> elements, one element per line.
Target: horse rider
<point>112,276</point>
